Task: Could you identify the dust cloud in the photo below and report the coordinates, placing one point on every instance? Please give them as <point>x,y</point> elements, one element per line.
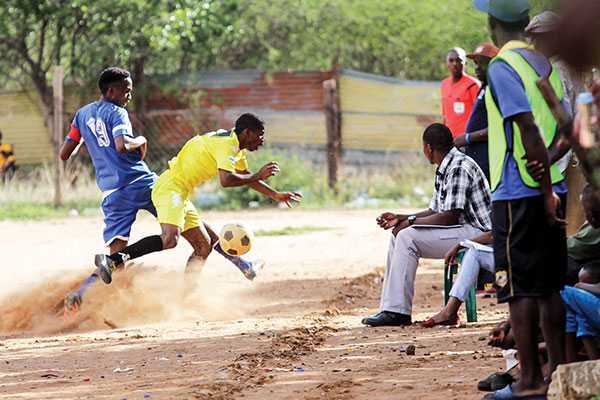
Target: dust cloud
<point>138,295</point>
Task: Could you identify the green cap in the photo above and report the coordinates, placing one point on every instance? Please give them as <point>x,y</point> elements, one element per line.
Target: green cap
<point>504,10</point>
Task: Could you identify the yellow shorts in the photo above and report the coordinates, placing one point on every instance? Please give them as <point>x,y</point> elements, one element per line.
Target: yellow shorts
<point>172,204</point>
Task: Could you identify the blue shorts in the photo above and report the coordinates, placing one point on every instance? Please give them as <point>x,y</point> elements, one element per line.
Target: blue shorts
<point>120,208</point>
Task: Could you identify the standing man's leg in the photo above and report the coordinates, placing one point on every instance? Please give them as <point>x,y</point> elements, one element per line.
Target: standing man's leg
<point>524,315</point>
<point>552,322</point>
<point>530,262</point>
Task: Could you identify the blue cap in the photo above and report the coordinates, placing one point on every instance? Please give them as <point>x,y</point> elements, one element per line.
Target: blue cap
<point>504,10</point>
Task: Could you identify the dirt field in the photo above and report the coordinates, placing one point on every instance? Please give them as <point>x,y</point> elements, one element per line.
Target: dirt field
<point>294,333</point>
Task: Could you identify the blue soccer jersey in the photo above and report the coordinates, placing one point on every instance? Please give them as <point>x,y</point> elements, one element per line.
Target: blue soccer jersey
<point>98,123</point>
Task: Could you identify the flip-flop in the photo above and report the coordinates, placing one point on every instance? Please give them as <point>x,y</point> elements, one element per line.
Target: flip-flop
<point>430,323</point>
<point>507,394</point>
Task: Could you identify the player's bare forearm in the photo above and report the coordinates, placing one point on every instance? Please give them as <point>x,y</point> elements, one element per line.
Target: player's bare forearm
<point>263,188</point>
<point>236,179</point>
<point>535,149</point>
<point>444,218</point>
<point>67,149</point>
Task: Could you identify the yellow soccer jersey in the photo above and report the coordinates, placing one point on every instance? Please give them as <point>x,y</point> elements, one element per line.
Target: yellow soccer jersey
<point>202,156</point>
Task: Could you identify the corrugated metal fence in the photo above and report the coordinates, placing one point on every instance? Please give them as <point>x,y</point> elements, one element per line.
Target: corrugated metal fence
<point>377,113</point>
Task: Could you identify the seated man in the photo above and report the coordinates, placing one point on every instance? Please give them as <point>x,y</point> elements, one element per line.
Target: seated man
<point>459,209</point>
<point>582,303</point>
<point>8,161</point>
<point>473,260</point>
<point>584,245</point>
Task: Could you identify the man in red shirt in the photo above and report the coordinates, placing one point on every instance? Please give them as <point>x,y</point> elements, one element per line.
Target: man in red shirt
<point>459,93</point>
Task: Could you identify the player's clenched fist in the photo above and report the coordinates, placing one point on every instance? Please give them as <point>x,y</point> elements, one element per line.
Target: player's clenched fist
<point>268,170</point>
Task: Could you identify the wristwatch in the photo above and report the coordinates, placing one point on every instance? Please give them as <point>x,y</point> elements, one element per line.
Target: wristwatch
<point>411,219</point>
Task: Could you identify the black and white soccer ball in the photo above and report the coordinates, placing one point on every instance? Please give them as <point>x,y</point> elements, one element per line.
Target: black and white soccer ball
<point>236,239</point>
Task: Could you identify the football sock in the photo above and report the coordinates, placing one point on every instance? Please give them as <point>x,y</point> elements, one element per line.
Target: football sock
<point>86,284</point>
<point>237,261</point>
<point>145,246</point>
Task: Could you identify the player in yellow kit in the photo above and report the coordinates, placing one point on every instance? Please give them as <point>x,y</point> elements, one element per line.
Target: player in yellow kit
<point>221,153</point>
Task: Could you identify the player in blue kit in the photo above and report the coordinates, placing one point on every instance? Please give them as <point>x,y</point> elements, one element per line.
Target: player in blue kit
<point>123,177</point>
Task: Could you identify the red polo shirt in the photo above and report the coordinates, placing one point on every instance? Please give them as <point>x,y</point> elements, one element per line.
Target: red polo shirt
<point>458,99</point>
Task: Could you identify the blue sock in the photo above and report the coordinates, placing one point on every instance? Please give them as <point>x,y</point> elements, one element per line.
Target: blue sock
<point>89,281</point>
<point>237,261</point>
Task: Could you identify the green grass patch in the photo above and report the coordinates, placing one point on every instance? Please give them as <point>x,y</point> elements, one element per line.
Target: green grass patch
<point>37,211</point>
<point>292,230</point>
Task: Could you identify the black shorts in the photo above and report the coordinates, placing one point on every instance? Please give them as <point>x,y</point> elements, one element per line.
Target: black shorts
<point>530,256</point>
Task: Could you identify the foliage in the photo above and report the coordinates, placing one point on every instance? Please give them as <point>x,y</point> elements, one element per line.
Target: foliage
<point>392,37</point>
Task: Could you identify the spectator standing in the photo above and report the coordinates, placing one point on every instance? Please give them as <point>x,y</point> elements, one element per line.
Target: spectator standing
<point>530,254</point>
<point>459,92</point>
<point>475,139</point>
<point>542,32</point>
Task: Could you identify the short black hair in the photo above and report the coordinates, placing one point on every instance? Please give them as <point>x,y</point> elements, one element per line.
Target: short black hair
<point>439,137</point>
<point>513,27</point>
<point>248,121</point>
<point>111,75</point>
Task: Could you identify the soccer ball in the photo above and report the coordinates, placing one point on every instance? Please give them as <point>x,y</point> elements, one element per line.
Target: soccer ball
<point>236,239</point>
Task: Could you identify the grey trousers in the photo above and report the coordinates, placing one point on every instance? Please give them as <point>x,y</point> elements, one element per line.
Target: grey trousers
<point>403,258</point>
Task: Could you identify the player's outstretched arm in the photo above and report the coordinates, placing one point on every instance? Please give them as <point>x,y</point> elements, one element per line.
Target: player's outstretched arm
<point>243,178</point>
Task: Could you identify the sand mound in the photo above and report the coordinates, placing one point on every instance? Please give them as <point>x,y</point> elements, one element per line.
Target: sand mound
<point>137,295</point>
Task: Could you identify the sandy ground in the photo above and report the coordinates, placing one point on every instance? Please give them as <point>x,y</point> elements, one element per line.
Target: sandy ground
<point>294,333</point>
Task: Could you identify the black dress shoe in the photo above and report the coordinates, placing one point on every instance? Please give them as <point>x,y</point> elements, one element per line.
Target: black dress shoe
<point>387,318</point>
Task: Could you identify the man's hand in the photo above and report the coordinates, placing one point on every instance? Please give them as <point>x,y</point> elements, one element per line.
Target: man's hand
<point>552,205</point>
<point>389,220</point>
<point>287,197</point>
<point>268,170</point>
<point>536,169</point>
<point>450,256</point>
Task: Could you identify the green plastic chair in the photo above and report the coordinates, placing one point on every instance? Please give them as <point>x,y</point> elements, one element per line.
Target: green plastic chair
<point>450,272</point>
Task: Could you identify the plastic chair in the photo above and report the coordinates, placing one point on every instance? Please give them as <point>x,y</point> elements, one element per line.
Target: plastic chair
<point>450,272</point>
